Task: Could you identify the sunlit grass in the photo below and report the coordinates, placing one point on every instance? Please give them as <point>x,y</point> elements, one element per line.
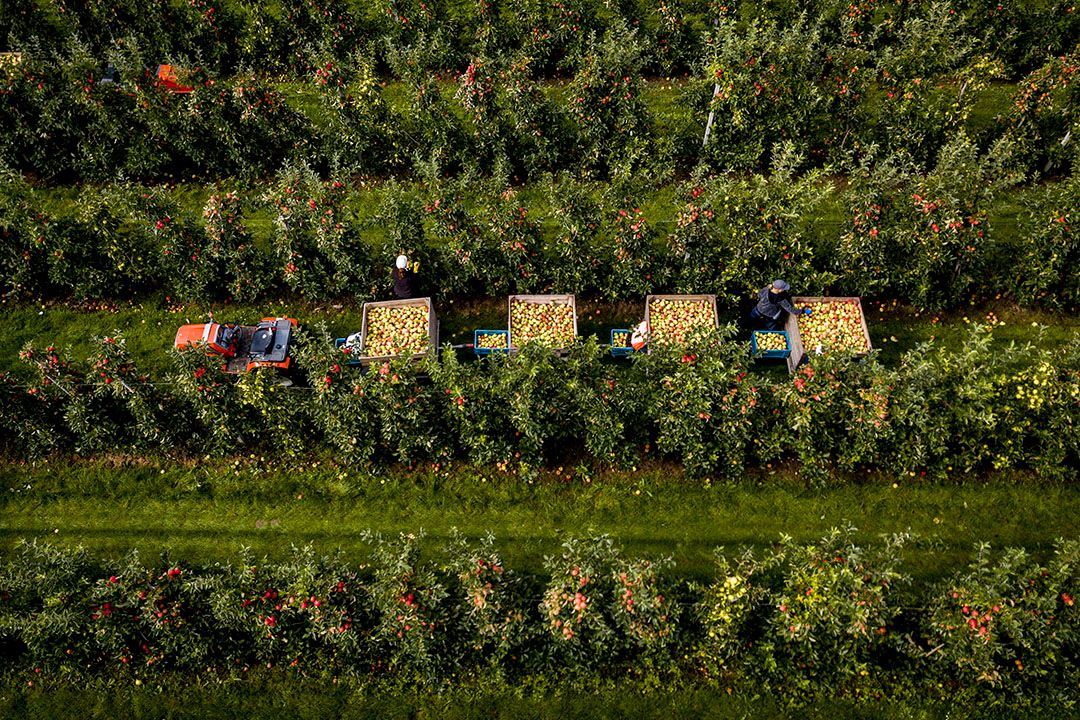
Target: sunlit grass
<point>208,510</point>
<point>271,696</point>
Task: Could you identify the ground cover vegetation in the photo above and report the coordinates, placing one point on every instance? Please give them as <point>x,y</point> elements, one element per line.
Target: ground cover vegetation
<point>893,150</point>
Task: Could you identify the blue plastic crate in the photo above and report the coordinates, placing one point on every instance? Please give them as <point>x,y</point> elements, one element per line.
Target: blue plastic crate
<point>487,351</point>
<point>621,350</point>
<point>770,353</point>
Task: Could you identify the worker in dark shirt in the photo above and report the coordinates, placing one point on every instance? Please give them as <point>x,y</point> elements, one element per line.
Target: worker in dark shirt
<point>773,302</point>
<point>406,283</point>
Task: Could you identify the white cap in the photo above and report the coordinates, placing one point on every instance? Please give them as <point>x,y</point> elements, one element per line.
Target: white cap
<point>402,262</point>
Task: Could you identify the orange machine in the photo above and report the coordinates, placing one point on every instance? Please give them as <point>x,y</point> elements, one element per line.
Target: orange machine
<point>167,76</point>
<point>244,347</point>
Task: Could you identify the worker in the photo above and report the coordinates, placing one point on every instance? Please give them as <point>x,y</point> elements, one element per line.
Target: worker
<point>773,302</point>
<point>406,284</point>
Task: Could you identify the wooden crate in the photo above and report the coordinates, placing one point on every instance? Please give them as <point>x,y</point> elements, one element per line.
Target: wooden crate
<point>538,300</point>
<point>707,299</point>
<point>798,352</point>
<point>433,328</point>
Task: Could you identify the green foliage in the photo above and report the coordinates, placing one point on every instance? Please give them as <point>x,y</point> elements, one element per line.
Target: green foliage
<point>23,261</point>
<point>1008,622</point>
<point>834,608</point>
<point>314,237</point>
<point>361,134</point>
<point>576,608</point>
<point>461,254</point>
<point>254,129</point>
<point>938,238</point>
<point>312,613</point>
<point>1044,118</point>
<point>343,402</point>
<point>522,408</point>
<point>214,259</point>
<point>727,610</point>
<point>838,411</point>
<point>515,246</point>
<point>833,77</point>
<point>912,117</point>
<point>89,254</point>
<point>941,411</point>
<point>627,255</point>
<point>571,255</point>
<point>604,99</point>
<point>702,404</point>
<point>923,234</point>
<point>117,397</point>
<point>58,121</point>
<point>988,402</point>
<point>495,623</point>
<point>43,588</point>
<point>1048,248</point>
<point>807,620</point>
<point>766,90</point>
<point>538,131</point>
<point>222,422</point>
<point>417,616</point>
<point>735,235</point>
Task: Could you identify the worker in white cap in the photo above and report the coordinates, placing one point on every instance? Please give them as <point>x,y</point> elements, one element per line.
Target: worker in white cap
<point>406,284</point>
<point>773,301</point>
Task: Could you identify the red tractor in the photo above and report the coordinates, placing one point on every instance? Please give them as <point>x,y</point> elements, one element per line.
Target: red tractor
<point>169,79</point>
<point>243,347</point>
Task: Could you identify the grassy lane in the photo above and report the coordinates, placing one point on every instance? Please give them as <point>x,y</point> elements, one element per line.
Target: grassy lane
<point>208,512</point>
<point>278,697</point>
<point>150,327</point>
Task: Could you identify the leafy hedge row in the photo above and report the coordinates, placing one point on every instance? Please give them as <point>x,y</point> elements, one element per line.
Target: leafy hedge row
<point>278,35</point>
<point>938,413</point>
<point>926,236</point>
<point>824,617</point>
<point>838,88</point>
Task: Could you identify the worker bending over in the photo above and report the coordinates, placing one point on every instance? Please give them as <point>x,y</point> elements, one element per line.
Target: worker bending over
<point>773,302</point>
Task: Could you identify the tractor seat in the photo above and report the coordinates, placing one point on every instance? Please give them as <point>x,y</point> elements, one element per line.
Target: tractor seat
<point>262,341</point>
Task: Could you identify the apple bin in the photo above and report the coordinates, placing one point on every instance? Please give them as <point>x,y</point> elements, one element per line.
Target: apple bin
<point>620,343</point>
<point>398,327</point>
<point>486,342</point>
<point>550,320</point>
<point>770,344</point>
<point>835,323</point>
<point>670,318</point>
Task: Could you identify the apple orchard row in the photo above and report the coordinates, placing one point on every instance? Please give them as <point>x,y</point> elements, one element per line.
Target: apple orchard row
<point>938,412</point>
<point>821,616</point>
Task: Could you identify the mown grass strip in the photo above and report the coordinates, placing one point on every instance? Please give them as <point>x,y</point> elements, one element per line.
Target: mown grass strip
<point>276,696</point>
<point>207,512</point>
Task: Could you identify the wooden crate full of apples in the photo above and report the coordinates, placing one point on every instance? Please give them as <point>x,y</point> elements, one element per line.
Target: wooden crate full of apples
<point>398,327</point>
<point>835,324</point>
<point>672,319</point>
<point>548,320</point>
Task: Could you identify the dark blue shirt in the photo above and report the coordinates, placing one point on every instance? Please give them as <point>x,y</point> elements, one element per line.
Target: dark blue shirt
<point>406,284</point>
<point>771,304</point>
